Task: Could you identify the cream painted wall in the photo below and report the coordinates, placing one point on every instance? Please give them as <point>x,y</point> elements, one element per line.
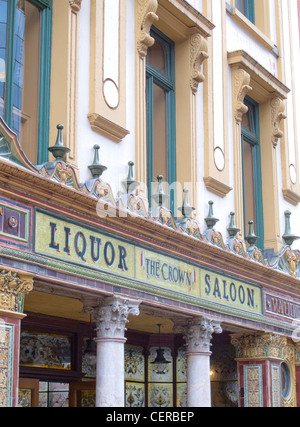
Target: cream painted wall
<point>115,156</point>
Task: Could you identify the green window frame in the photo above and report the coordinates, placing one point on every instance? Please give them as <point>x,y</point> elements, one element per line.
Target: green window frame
<point>165,81</point>
<point>251,136</point>
<point>247,8</point>
<point>45,7</point>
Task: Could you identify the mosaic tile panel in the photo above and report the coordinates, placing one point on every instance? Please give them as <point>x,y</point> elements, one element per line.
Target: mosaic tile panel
<point>135,395</point>
<point>181,363</point>
<point>181,393</point>
<point>276,386</point>
<point>45,350</point>
<point>160,395</point>
<point>134,363</point>
<point>6,364</point>
<point>253,386</point>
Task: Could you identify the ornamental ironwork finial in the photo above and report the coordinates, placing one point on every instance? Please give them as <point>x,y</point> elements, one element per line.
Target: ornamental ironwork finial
<point>59,150</point>
<point>96,168</point>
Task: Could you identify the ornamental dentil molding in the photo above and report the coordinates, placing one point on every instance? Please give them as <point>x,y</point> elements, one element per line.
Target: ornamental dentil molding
<point>241,86</point>
<point>198,333</point>
<point>111,316</point>
<point>198,54</point>
<point>145,17</point>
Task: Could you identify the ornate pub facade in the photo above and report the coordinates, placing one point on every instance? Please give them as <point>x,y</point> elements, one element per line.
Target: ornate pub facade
<point>149,203</point>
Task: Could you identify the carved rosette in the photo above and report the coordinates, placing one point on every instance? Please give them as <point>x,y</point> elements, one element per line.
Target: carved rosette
<point>241,86</point>
<point>146,15</point>
<point>13,288</point>
<point>278,114</point>
<point>198,333</point>
<point>257,346</point>
<point>111,316</point>
<point>198,55</point>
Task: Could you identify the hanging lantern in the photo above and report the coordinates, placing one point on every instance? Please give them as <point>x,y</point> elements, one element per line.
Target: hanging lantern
<point>160,361</point>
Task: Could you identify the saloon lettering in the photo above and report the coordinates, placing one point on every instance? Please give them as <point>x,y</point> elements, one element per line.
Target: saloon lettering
<point>229,291</point>
<point>82,243</point>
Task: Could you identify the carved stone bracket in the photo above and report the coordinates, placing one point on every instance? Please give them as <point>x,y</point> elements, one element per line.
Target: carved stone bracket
<point>13,287</point>
<point>198,55</point>
<point>278,114</point>
<point>198,333</point>
<point>112,316</point>
<point>256,346</point>
<point>75,5</point>
<point>241,86</point>
<point>146,15</point>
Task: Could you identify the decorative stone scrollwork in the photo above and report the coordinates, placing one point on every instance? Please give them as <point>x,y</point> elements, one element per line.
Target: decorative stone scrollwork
<point>75,5</point>
<point>199,49</point>
<point>13,288</point>
<point>256,346</point>
<point>241,86</point>
<point>112,316</point>
<point>146,15</point>
<point>278,114</point>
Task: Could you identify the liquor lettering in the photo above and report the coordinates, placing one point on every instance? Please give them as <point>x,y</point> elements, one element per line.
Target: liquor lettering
<point>88,246</point>
<point>229,291</point>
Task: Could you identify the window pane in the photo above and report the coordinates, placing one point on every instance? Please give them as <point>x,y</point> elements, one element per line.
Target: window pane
<point>156,57</point>
<point>3,39</point>
<point>26,77</point>
<point>160,145</point>
<point>240,5</point>
<point>249,189</point>
<point>247,122</point>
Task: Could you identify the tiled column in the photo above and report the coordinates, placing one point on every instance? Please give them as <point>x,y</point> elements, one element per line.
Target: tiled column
<point>111,318</point>
<point>198,334</point>
<point>297,369</point>
<point>13,287</point>
<point>259,357</point>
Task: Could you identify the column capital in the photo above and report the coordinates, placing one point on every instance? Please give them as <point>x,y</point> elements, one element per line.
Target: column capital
<point>111,316</point>
<point>259,346</point>
<point>13,288</point>
<point>198,333</point>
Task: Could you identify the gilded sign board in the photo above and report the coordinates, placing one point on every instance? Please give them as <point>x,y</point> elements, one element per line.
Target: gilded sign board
<point>70,242</point>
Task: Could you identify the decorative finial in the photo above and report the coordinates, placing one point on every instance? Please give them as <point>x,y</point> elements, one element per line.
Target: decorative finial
<point>251,238</point>
<point>288,237</point>
<point>130,183</point>
<point>96,168</point>
<point>59,150</point>
<point>232,229</point>
<point>186,209</point>
<point>211,220</point>
<point>160,196</point>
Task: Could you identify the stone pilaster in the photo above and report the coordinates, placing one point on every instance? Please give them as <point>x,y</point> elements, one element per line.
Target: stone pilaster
<point>111,318</point>
<point>13,288</point>
<point>198,333</point>
<point>259,357</point>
